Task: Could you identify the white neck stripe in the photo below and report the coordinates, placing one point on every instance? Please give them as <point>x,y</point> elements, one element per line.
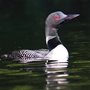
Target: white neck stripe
<point>49,37</point>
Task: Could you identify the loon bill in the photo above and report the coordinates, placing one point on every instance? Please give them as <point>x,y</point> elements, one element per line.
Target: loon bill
<point>56,50</point>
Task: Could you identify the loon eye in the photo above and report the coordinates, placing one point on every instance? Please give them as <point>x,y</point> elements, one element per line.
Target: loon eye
<point>56,17</point>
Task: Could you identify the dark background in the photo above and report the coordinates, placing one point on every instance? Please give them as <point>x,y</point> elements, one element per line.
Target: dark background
<point>22,21</point>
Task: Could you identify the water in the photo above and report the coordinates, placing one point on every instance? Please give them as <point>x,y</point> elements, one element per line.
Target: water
<point>41,75</point>
<point>52,75</point>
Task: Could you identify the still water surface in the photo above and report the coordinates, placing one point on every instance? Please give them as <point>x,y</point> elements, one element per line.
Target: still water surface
<point>45,76</point>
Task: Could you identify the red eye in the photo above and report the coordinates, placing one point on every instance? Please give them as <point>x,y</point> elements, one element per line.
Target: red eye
<point>56,17</point>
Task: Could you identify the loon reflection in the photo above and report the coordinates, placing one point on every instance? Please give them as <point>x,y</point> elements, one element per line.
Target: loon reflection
<point>56,50</point>
<point>56,75</point>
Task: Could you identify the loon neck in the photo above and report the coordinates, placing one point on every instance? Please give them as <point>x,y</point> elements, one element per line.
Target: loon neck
<point>52,38</point>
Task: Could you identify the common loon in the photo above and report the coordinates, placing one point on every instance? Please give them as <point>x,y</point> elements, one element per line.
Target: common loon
<point>56,50</point>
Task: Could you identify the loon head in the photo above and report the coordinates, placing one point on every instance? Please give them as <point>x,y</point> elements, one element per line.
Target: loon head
<point>58,17</point>
<point>54,19</point>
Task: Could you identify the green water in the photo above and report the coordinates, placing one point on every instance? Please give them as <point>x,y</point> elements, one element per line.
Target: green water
<point>34,76</point>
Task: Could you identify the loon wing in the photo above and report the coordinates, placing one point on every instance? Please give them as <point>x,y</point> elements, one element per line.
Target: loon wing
<point>25,56</point>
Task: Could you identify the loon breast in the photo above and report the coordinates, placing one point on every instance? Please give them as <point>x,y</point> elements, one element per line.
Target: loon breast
<point>59,53</point>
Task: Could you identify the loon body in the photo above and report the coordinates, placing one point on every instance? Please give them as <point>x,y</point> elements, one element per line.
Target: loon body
<point>56,50</point>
